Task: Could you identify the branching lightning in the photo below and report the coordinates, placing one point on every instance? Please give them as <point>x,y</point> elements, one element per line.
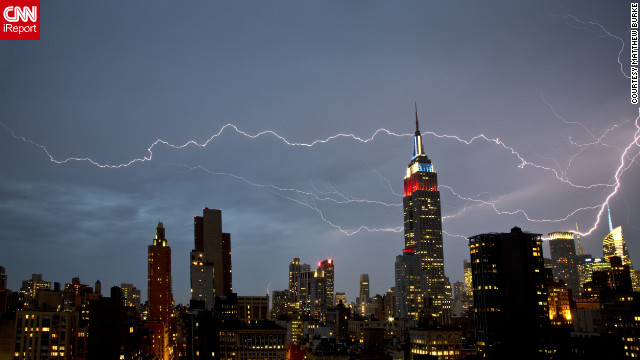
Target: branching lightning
<point>310,199</point>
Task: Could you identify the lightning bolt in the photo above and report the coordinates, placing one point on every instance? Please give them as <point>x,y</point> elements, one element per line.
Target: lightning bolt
<point>627,158</point>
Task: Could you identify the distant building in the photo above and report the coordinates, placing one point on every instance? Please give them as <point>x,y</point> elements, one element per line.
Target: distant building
<point>614,245</point>
<point>131,295</point>
<point>3,278</point>
<point>436,343</point>
<point>468,279</point>
<point>31,287</point>
<point>210,267</point>
<point>294,277</point>
<point>389,301</point>
<point>410,285</point>
<point>322,289</point>
<point>279,303</point>
<point>363,298</point>
<point>253,308</point>
<point>509,294</point>
<point>263,340</point>
<point>305,289</point>
<point>564,260</point>
<point>341,298</point>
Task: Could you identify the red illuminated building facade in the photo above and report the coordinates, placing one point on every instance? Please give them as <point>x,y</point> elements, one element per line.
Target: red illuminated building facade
<point>160,297</point>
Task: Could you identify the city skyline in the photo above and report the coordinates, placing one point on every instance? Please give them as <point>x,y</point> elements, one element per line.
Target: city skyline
<point>540,77</point>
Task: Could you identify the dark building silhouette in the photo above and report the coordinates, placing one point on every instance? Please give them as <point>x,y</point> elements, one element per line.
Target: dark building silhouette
<point>115,331</point>
<point>3,278</point>
<point>423,228</point>
<point>510,297</point>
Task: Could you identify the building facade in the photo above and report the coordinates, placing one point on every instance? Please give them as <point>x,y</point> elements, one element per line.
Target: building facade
<point>510,296</point>
<point>210,265</point>
<point>160,296</point>
<point>564,260</point>
<point>423,228</point>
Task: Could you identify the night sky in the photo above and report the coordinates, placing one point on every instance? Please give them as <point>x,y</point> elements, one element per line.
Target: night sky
<point>549,79</point>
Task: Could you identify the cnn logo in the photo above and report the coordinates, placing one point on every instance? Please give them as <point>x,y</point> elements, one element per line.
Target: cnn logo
<point>20,20</point>
<point>15,13</point>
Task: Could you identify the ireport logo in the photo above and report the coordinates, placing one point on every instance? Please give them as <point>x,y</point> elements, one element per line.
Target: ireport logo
<point>20,20</point>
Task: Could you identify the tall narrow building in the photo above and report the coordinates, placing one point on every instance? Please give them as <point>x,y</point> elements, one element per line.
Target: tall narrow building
<point>322,289</point>
<point>564,260</point>
<point>363,299</point>
<point>423,228</point>
<point>210,267</point>
<point>614,245</point>
<point>410,283</point>
<point>160,297</point>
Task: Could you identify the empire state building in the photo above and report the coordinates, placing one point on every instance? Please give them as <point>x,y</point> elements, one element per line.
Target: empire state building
<point>423,229</point>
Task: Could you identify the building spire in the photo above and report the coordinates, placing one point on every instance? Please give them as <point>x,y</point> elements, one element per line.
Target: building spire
<point>417,140</point>
<point>415,103</point>
<point>609,214</point>
<point>580,251</point>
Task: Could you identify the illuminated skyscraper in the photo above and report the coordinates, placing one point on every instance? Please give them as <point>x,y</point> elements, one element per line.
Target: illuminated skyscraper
<point>160,297</point>
<point>614,245</point>
<point>211,259</point>
<point>322,290</point>
<point>410,285</point>
<point>468,280</point>
<point>160,294</point>
<point>294,277</point>
<point>564,260</point>
<point>363,299</point>
<point>423,228</point>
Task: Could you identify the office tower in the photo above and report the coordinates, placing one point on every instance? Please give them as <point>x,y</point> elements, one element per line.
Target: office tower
<point>363,299</point>
<point>253,308</point>
<point>77,295</point>
<point>131,295</point>
<point>210,266</point>
<point>410,285</point>
<point>564,260</point>
<point>390,304</point>
<point>322,289</point>
<point>294,277</point>
<point>304,288</point>
<point>423,227</point>
<point>279,303</point>
<point>614,245</point>
<point>468,282</point>
<point>31,287</point>
<point>458,293</point>
<point>510,297</point>
<point>160,297</point>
